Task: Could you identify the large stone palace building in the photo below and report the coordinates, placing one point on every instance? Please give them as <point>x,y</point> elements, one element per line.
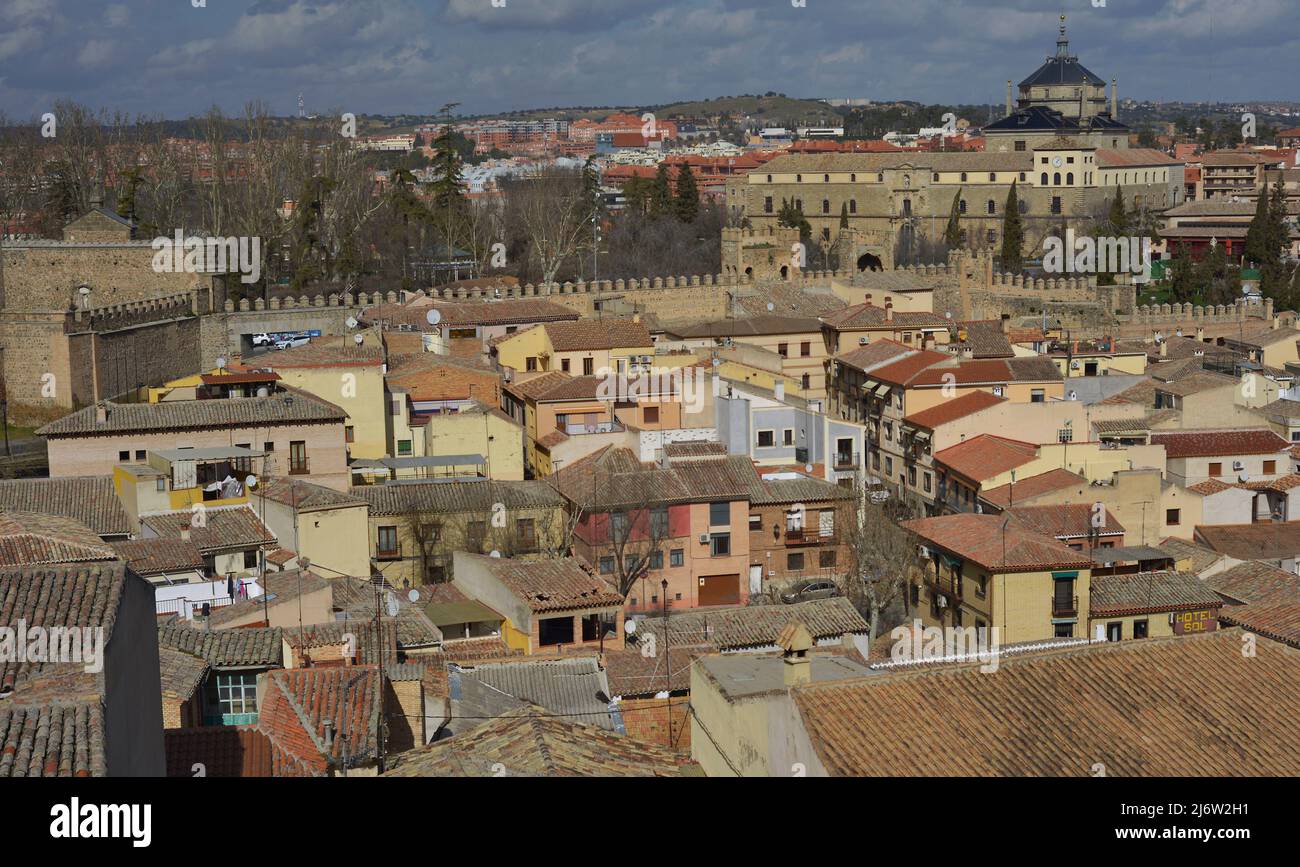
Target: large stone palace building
<point>1066,169</point>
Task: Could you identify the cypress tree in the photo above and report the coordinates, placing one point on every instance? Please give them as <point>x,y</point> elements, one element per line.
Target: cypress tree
<point>688,195</point>
<point>1013,233</point>
<point>952,234</point>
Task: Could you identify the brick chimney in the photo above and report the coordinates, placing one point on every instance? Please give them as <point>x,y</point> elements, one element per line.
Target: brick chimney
<point>185,532</point>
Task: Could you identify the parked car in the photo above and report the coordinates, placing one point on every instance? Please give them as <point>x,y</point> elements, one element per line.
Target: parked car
<point>262,340</point>
<point>877,493</point>
<point>288,344</point>
<point>810,590</point>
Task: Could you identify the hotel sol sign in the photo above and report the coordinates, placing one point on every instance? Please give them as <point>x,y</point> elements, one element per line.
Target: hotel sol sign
<point>1194,622</point>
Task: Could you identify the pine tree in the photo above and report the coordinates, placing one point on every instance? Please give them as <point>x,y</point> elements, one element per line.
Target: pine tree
<point>952,234</point>
<point>1257,235</point>
<point>792,217</point>
<point>688,195</point>
<point>1182,278</point>
<point>661,194</point>
<point>844,216</point>
<point>1013,234</point>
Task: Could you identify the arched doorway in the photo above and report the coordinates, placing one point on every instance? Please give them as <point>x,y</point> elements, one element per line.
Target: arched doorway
<point>870,262</point>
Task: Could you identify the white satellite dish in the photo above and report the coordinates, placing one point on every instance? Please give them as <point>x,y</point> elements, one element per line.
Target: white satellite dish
<point>413,596</point>
<point>770,306</point>
<point>433,317</point>
<point>496,554</point>
<point>808,468</point>
<point>394,607</point>
<point>352,322</point>
<point>630,627</point>
<point>221,363</point>
<point>358,339</point>
<point>250,481</point>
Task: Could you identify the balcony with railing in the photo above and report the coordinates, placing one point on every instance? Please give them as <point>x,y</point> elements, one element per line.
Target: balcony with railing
<point>1065,606</point>
<point>848,460</point>
<point>384,552</point>
<point>299,465</point>
<point>603,427</point>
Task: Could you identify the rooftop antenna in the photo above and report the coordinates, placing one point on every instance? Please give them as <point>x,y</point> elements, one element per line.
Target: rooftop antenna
<point>302,106</point>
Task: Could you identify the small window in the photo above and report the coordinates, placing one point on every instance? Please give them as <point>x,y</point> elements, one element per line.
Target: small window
<point>676,557</point>
<point>1216,470</point>
<point>650,415</point>
<point>766,439</point>
<point>787,437</point>
<point>783,350</point>
<point>656,559</point>
<point>250,559</point>
<point>794,562</point>
<point>588,366</point>
<point>755,523</point>
<point>349,434</point>
<point>606,565</point>
<point>268,446</point>
<point>805,348</point>
<point>719,514</point>
<point>124,455</point>
<point>530,363</point>
<point>719,544</point>
<point>139,454</point>
<point>1173,516</point>
<point>826,558</point>
<point>403,447</point>
<point>1270,467</point>
<point>1139,629</point>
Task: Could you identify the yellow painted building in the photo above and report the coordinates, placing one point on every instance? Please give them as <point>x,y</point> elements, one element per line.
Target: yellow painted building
<point>478,430</point>
<point>583,348</point>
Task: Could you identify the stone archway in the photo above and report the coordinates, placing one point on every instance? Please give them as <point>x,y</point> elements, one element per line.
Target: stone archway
<point>870,262</point>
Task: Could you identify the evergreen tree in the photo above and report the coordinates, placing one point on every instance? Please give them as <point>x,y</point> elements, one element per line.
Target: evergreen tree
<point>661,193</point>
<point>448,205</point>
<point>1013,233</point>
<point>688,195</point>
<point>637,194</point>
<point>1182,278</point>
<point>1118,214</point>
<point>792,217</point>
<point>1258,238</point>
<point>952,234</point>
<point>844,216</point>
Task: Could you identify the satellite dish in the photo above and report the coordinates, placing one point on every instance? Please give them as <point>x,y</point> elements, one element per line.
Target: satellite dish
<point>770,306</point>
<point>221,363</point>
<point>433,317</point>
<point>717,362</point>
<point>351,322</point>
<point>496,554</point>
<point>413,596</point>
<point>250,481</point>
<point>358,339</point>
<point>808,468</point>
<point>84,290</point>
<point>394,607</point>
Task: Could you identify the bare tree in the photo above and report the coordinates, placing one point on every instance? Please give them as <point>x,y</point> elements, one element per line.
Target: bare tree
<point>551,211</point>
<point>882,556</point>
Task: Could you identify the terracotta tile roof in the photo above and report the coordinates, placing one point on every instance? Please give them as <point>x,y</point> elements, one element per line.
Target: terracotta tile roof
<point>907,368</point>
<point>528,743</point>
<point>157,556</point>
<point>1192,705</point>
<point>805,489</point>
<point>695,450</point>
<point>443,378</point>
<point>951,410</point>
<point>614,478</point>
<point>1149,593</point>
<point>281,557</point>
<point>1216,443</point>
<point>551,585</point>
<point>986,456</point>
<point>71,595</point>
<point>298,704</point>
<point>88,499</point>
<point>454,497</point>
<point>1025,490</point>
<point>224,751</point>
<point>1183,549</point>
<point>354,605</point>
<point>66,740</point>
<point>557,385</point>
<point>982,540</point>
<point>1281,485</point>
<point>246,647</point>
<point>181,673</point>
<point>874,354</point>
<point>572,686</point>
<point>29,538</point>
<point>303,496</point>
<point>225,527</point>
<point>483,647</point>
<point>984,339</point>
<point>1209,487</point>
<point>597,334</point>
<point>1253,582</point>
<point>355,637</point>
<point>634,674</point>
<point>1279,621</point>
<point>191,414</point>
<point>868,315</point>
<point>754,626</point>
<point>1066,520</point>
<point>1252,541</point>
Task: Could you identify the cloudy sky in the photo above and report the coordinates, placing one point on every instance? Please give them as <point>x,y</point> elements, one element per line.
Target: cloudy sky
<point>388,56</point>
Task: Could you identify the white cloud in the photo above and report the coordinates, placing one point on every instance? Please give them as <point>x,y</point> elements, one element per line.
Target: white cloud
<point>96,52</point>
<point>116,15</point>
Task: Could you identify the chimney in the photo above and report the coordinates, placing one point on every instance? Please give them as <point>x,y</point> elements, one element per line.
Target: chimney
<point>889,311</point>
<point>868,297</point>
<point>1164,348</point>
<point>780,389</point>
<point>101,412</point>
<point>185,532</point>
<point>1200,334</point>
<point>1114,99</point>
<point>636,317</point>
<point>795,641</point>
<point>1277,321</point>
